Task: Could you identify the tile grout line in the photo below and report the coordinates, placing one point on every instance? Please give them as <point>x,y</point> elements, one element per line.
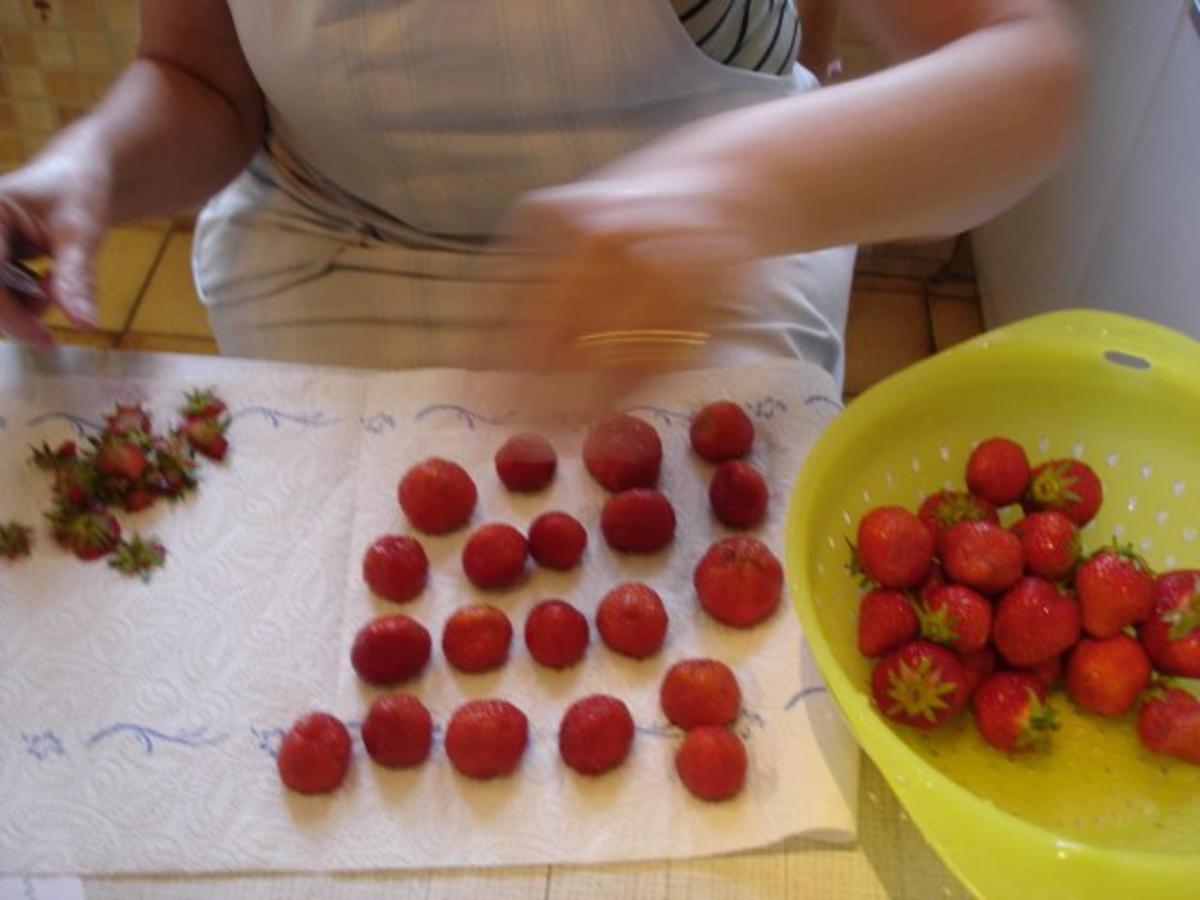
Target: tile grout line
<point>145,285</point>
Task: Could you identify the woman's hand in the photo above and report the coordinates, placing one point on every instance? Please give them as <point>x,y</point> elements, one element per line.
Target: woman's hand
<point>56,206</point>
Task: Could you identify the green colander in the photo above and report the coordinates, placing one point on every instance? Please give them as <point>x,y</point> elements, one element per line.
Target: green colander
<point>1096,816</point>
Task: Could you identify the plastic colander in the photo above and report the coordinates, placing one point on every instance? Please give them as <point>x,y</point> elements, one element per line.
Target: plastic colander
<point>1095,816</point>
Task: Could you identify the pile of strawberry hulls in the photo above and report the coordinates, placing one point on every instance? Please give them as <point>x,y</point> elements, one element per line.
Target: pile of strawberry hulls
<point>966,611</point>
<point>127,466</point>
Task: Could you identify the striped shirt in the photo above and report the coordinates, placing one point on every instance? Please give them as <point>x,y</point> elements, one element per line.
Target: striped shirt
<point>760,35</point>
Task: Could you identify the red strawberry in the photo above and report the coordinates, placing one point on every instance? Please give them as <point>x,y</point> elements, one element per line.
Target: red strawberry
<point>494,556</point>
<point>886,619</point>
<point>1048,673</point>
<point>1169,724</point>
<point>1106,676</point>
<point>894,548</point>
<point>978,666</point>
<point>711,763</point>
<point>1068,485</point>
<point>556,634</point>
<point>15,540</point>
<point>207,437</point>
<point>172,472</point>
<point>632,620</point>
<point>486,738</point>
<point>721,431</point>
<point>398,731</point>
<point>1172,633</point>
<point>526,462</point>
<point>75,483</point>
<point>120,458</point>
<point>945,508</point>
<point>1011,712</point>
<point>89,534</point>
<point>622,452</point>
<point>596,734</point>
<point>557,540</point>
<point>202,404</point>
<point>395,567</point>
<point>640,520</point>
<point>138,498</point>
<point>920,685</point>
<point>700,692</point>
<point>390,649</point>
<point>476,638</point>
<point>1115,590</point>
<point>315,754</point>
<point>1034,623</point>
<point>738,494</point>
<point>982,556</point>
<point>437,495</point>
<point>1050,542</point>
<point>957,617</point>
<point>935,580</point>
<point>998,471</point>
<point>739,581</point>
<point>127,420</point>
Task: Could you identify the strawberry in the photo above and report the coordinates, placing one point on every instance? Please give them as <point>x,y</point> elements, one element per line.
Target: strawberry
<point>935,580</point>
<point>75,483</point>
<point>1050,542</point>
<point>390,649</point>
<point>557,540</point>
<point>1115,589</point>
<point>89,534</point>
<point>139,557</point>
<point>398,731</point>
<point>738,494</point>
<point>1171,635</point>
<point>171,472</point>
<point>596,734</point>
<point>1048,673</point>
<point>711,763</point>
<point>556,634</point>
<point>632,620</point>
<point>395,567</point>
<point>494,556</point>
<point>207,437</point>
<point>700,692</point>
<point>982,556</point>
<point>314,754</point>
<point>486,738</point>
<point>526,462</point>
<point>119,457</point>
<point>1034,622</point>
<point>137,498</point>
<point>640,520</point>
<point>623,452</point>
<point>978,666</point>
<point>15,540</point>
<point>1068,485</point>
<point>886,619</point>
<point>49,460</point>
<point>1011,712</point>
<point>721,431</point>
<point>956,617</point>
<point>920,685</point>
<point>476,638</point>
<point>945,508</point>
<point>202,404</point>
<point>437,495</point>
<point>1169,724</point>
<point>739,581</point>
<point>1106,676</point>
<point>127,420</point>
<point>998,471</point>
<point>894,548</point>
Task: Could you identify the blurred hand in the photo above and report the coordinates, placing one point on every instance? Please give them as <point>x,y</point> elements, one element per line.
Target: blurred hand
<point>58,206</point>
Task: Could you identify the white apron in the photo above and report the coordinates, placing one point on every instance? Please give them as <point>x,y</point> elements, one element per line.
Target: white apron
<point>401,133</point>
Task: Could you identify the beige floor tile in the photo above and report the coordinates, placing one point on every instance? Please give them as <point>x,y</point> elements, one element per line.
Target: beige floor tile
<point>154,223</point>
<point>170,305</point>
<point>920,259</point>
<point>161,343</point>
<point>123,265</point>
<point>954,319</point>
<point>886,332</point>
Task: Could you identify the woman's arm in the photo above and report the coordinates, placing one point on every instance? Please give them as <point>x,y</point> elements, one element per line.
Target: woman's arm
<point>182,120</point>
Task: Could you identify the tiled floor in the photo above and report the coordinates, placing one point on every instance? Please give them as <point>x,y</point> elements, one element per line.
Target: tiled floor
<point>908,302</point>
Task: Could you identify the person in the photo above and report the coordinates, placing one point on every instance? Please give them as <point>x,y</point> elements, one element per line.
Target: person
<point>527,182</point>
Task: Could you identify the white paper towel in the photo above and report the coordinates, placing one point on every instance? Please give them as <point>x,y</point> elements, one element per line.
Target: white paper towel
<point>138,722</point>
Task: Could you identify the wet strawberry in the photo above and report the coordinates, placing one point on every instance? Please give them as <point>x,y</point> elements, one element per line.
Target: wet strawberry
<point>314,755</point>
<point>1106,676</point>
<point>390,649</point>
<point>1169,724</point>
<point>171,472</point>
<point>956,617</point>
<point>202,404</point>
<point>494,556</point>
<point>395,567</point>
<point>1011,712</point>
<point>127,420</point>
<point>526,462</point>
<point>640,520</point>
<point>1050,542</point>
<point>739,581</point>
<point>138,498</point>
<point>886,619</point>
<point>998,471</point>
<point>16,540</point>
<point>945,508</point>
<point>1171,635</point>
<point>398,731</point>
<point>556,634</point>
<point>738,494</point>
<point>437,495</point>
<point>206,437</point>
<point>622,452</point>
<point>557,540</point>
<point>1048,673</point>
<point>1034,622</point>
<point>476,638</point>
<point>120,458</point>
<point>700,692</point>
<point>978,666</point>
<point>595,734</point>
<point>920,685</point>
<point>1067,485</point>
<point>486,738</point>
<point>711,763</point>
<point>721,431</point>
<point>982,556</point>
<point>632,620</point>
<point>1115,589</point>
<point>894,548</point>
<point>89,534</point>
